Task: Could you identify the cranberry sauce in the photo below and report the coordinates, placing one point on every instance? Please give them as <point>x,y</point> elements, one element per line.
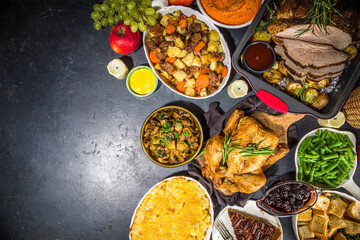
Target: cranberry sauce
<point>288,198</point>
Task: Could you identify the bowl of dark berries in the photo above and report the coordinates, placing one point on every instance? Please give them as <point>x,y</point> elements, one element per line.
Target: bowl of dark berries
<point>286,198</point>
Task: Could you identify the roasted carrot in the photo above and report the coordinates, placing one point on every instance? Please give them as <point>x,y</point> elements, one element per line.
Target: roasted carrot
<point>223,71</point>
<point>205,70</point>
<point>170,29</point>
<point>199,46</point>
<point>198,90</point>
<point>193,16</point>
<point>181,86</point>
<point>183,23</point>
<point>153,57</point>
<point>202,81</point>
<point>171,59</point>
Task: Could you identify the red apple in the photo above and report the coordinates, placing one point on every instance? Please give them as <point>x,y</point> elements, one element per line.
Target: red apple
<point>122,40</point>
<point>181,2</point>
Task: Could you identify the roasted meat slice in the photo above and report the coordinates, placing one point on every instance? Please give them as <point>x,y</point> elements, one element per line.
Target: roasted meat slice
<point>191,70</point>
<point>150,44</point>
<point>214,78</point>
<point>165,44</point>
<point>334,36</point>
<point>304,71</point>
<point>195,27</point>
<point>168,67</point>
<point>161,56</point>
<point>191,46</point>
<point>313,55</point>
<point>156,30</point>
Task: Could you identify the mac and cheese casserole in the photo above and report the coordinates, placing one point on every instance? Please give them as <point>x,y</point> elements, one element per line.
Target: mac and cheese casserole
<point>177,208</point>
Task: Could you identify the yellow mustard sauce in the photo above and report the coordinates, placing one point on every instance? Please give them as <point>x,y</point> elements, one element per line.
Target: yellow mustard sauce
<point>142,81</point>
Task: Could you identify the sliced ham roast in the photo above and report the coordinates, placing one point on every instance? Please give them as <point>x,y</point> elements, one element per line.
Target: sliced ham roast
<point>314,55</point>
<point>335,37</point>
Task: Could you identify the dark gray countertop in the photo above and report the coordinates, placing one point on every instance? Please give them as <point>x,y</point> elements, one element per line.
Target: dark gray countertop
<point>72,166</point>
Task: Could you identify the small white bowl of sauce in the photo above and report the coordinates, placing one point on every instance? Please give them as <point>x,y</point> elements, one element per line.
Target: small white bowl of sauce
<point>141,81</point>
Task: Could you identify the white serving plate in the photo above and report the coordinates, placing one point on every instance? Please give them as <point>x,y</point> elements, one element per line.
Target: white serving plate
<point>251,209</point>
<point>188,12</point>
<point>208,232</point>
<point>349,185</point>
<point>343,195</point>
<point>202,10</point>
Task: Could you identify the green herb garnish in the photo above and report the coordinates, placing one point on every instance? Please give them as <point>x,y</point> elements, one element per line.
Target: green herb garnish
<point>254,150</point>
<point>320,15</point>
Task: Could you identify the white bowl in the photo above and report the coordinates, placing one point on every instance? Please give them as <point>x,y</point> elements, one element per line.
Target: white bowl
<point>188,12</point>
<point>349,185</point>
<point>251,209</point>
<point>295,218</point>
<point>208,232</point>
<point>202,10</point>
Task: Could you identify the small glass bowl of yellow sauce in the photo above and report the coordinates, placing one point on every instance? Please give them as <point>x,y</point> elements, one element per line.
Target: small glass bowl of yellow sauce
<point>141,81</point>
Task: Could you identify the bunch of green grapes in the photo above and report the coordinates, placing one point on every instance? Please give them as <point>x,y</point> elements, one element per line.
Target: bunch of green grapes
<point>136,13</point>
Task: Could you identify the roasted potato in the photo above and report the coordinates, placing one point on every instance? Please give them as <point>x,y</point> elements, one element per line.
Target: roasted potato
<point>351,50</point>
<point>196,62</point>
<point>205,59</point>
<point>273,76</point>
<point>263,36</point>
<point>293,88</point>
<point>213,66</point>
<point>190,83</point>
<point>188,60</point>
<point>166,76</point>
<point>165,19</point>
<point>214,35</point>
<point>275,66</point>
<point>183,54</point>
<point>180,30</point>
<point>318,85</point>
<point>309,95</point>
<point>212,46</point>
<point>179,64</point>
<point>282,68</point>
<point>321,101</point>
<point>157,66</point>
<point>180,75</point>
<point>219,48</point>
<point>173,51</point>
<point>190,92</point>
<point>179,43</point>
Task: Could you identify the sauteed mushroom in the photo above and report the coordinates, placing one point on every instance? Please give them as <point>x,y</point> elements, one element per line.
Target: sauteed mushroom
<point>171,136</point>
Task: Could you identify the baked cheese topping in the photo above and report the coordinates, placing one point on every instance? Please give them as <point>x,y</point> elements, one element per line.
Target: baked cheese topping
<point>177,208</point>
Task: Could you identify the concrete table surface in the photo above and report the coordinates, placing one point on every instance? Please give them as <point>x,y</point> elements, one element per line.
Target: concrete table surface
<point>72,166</point>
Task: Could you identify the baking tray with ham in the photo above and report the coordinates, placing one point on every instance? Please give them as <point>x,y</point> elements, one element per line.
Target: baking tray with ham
<point>318,68</point>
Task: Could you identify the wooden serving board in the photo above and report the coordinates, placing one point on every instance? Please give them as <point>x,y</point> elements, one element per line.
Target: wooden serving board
<point>278,123</point>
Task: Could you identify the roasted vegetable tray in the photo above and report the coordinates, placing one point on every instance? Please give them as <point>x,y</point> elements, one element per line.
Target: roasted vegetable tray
<point>280,100</point>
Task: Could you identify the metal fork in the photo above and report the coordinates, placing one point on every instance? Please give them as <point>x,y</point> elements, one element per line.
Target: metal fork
<point>225,234</point>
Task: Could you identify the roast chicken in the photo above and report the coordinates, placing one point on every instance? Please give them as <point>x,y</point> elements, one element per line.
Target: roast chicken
<point>241,173</point>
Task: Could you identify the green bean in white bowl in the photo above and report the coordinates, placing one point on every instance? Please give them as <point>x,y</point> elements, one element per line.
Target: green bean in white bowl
<point>326,158</point>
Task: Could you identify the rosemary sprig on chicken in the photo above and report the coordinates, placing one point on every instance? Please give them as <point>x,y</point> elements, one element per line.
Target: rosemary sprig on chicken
<point>248,151</point>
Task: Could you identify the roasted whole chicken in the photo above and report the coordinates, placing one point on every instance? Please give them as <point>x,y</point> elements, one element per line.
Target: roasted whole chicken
<point>235,161</point>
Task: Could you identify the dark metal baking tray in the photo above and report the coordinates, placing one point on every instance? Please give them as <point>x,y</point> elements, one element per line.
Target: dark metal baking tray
<point>281,101</point>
